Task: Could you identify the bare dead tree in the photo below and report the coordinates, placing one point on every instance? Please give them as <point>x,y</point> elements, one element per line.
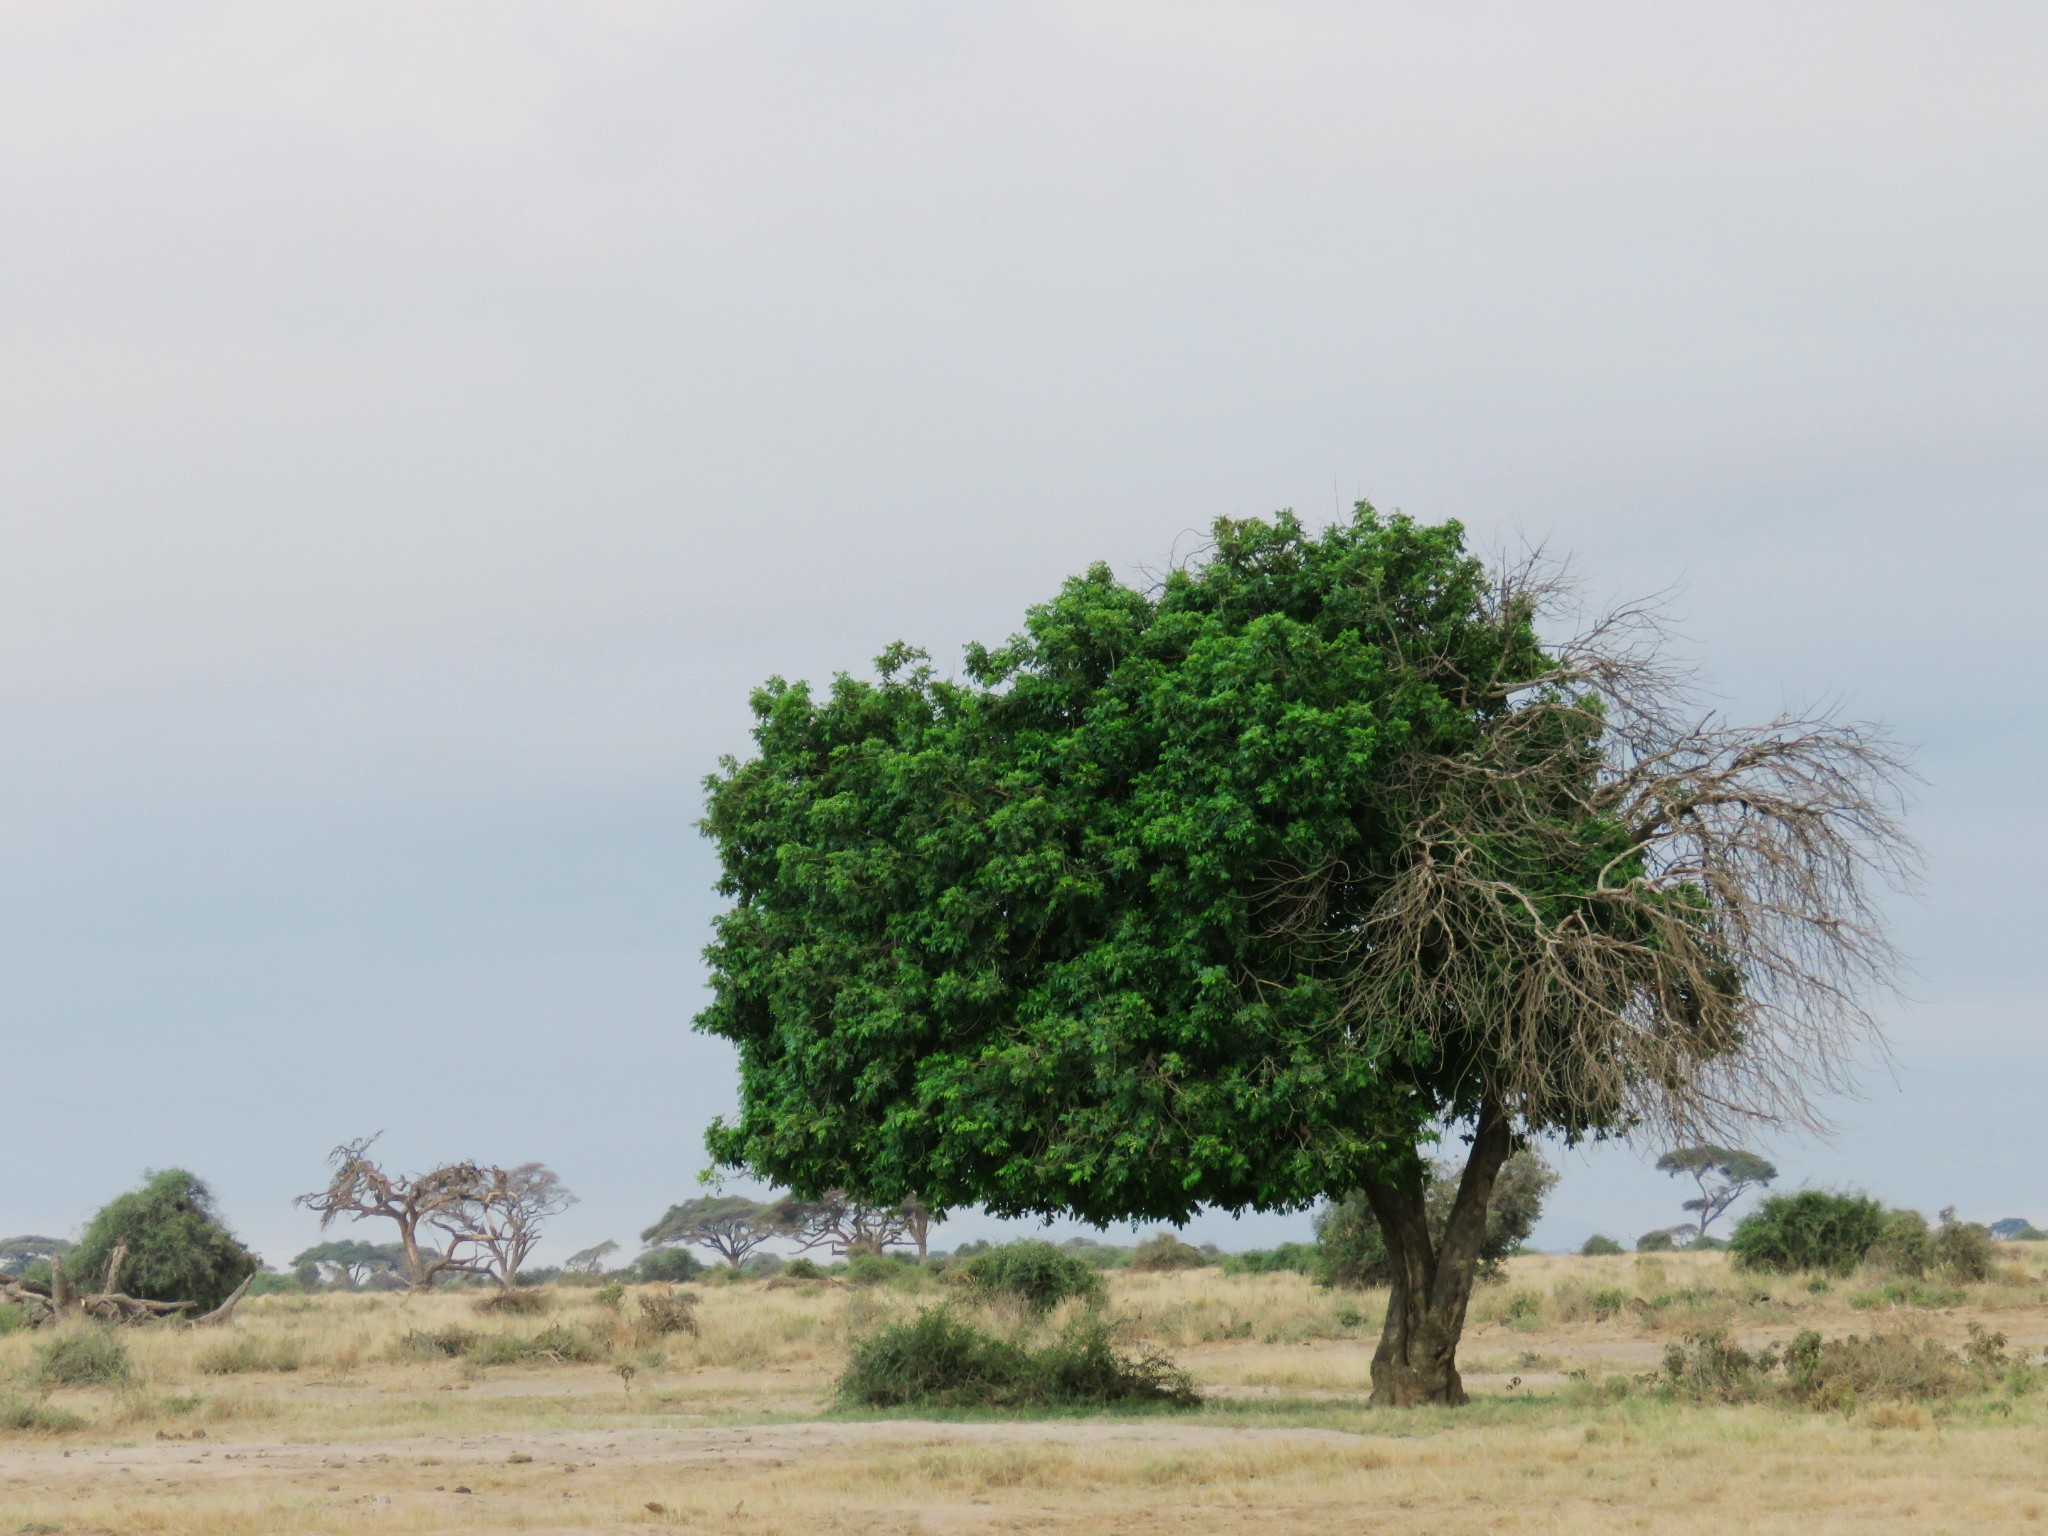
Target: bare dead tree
<point>1610,911</point>
<point>502,1219</point>
<point>361,1189</point>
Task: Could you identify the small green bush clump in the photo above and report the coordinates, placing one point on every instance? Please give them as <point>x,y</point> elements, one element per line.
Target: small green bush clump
<point>937,1360</point>
<point>1034,1273</point>
<point>1300,1258</point>
<point>83,1357</point>
<point>802,1269</point>
<point>1599,1246</point>
<point>1812,1230</point>
<point>233,1357</point>
<point>1659,1241</point>
<point>25,1415</point>
<point>1162,1252</point>
<point>178,1247</point>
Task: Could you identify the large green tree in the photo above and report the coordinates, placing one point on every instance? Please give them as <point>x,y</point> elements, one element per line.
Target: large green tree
<point>1247,889</point>
<point>175,1242</point>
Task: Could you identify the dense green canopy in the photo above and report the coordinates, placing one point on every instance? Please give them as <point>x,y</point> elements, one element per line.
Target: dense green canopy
<point>1009,941</point>
<point>178,1246</point>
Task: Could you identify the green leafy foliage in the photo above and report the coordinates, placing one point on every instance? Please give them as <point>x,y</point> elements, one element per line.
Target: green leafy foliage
<point>938,1360</point>
<point>1354,1253</point>
<point>669,1266</point>
<point>1301,1258</point>
<point>997,941</point>
<point>179,1248</point>
<point>1599,1246</point>
<point>1034,1273</point>
<point>1811,1230</point>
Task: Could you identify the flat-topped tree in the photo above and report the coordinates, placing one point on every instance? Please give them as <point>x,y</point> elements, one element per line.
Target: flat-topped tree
<point>1247,890</point>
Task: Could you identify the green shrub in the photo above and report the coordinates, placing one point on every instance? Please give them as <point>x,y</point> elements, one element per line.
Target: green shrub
<point>1599,1247</point>
<point>1297,1257</point>
<point>669,1266</point>
<point>270,1283</point>
<point>1903,1246</point>
<point>25,1415</point>
<point>1163,1252</point>
<point>1811,1230</point>
<point>873,1268</point>
<point>1659,1241</point>
<point>235,1356</point>
<point>92,1356</point>
<point>802,1269</point>
<point>1962,1250</point>
<point>936,1360</point>
<point>13,1317</point>
<point>611,1294</point>
<point>1034,1273</point>
<point>179,1249</point>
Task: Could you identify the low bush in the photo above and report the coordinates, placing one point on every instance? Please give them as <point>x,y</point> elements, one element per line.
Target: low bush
<point>435,1344</point>
<point>518,1302</point>
<point>1840,1374</point>
<point>1812,1230</point>
<point>1659,1241</point>
<point>82,1357</point>
<point>1162,1252</point>
<point>665,1312</point>
<point>1034,1273</point>
<point>1962,1250</point>
<point>875,1268</point>
<point>802,1269</point>
<point>669,1266</point>
<point>553,1345</point>
<point>1297,1257</point>
<point>13,1317</point>
<point>1599,1246</point>
<point>25,1415</point>
<point>241,1354</point>
<point>936,1360</point>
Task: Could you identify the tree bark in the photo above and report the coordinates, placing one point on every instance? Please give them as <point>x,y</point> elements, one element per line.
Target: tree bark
<point>1417,1359</point>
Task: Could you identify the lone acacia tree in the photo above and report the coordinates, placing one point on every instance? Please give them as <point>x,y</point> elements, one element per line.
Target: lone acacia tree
<point>361,1188</point>
<point>1724,1175</point>
<point>1250,889</point>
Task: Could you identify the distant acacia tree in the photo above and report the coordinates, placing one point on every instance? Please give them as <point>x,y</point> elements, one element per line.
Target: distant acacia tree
<point>590,1261</point>
<point>730,1226</point>
<point>350,1261</point>
<point>1724,1175</point>
<point>1236,890</point>
<point>360,1189</point>
<point>844,1225</point>
<point>502,1220</point>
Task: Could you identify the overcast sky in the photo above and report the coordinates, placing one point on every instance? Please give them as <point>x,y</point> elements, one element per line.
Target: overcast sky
<point>420,425</point>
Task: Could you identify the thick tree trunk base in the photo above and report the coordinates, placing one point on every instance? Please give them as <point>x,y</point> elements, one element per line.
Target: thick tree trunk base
<point>1396,1385</point>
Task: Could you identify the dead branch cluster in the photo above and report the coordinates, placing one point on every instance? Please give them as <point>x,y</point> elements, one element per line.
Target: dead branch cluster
<point>461,1218</point>
<point>1615,908</point>
<point>60,1298</point>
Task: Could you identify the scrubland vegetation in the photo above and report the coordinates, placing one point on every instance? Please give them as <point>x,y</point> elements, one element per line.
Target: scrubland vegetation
<point>1674,1392</point>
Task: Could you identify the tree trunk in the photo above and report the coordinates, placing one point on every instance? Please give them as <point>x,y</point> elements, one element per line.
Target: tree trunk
<point>1417,1360</point>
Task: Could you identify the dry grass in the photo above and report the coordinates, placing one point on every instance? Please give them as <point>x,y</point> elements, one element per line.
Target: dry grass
<point>310,1418</point>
